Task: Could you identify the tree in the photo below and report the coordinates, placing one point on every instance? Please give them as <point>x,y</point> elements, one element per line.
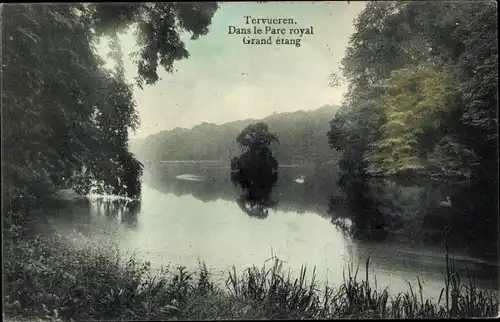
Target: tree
<point>256,165</point>
<point>49,99</point>
<point>256,137</point>
<point>415,104</point>
<point>64,115</point>
<point>257,169</point>
<point>158,26</point>
<point>447,37</point>
<point>423,96</point>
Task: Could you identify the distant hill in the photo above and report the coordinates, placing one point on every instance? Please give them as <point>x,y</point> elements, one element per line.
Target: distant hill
<point>302,136</point>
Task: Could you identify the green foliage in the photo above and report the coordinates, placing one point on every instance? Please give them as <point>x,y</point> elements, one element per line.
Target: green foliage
<point>52,280</point>
<point>256,136</point>
<point>257,160</point>
<point>422,101</point>
<point>43,108</point>
<point>158,27</point>
<point>256,168</point>
<point>301,139</point>
<point>55,279</point>
<point>454,159</point>
<point>66,118</point>
<point>418,73</point>
<point>62,110</point>
<point>353,129</point>
<point>415,102</point>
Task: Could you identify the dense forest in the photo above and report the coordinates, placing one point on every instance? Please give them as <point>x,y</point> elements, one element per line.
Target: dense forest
<point>422,103</point>
<point>65,117</point>
<point>302,139</point>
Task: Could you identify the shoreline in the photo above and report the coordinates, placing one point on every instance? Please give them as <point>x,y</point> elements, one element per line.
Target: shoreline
<point>258,292</point>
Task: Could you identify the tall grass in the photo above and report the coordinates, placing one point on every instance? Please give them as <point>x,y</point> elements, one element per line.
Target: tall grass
<point>355,298</point>
<point>49,280</point>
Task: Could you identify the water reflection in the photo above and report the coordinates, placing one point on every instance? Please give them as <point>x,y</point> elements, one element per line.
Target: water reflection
<point>129,217</point>
<point>116,210</point>
<point>312,196</point>
<point>254,207</point>
<point>256,197</point>
<point>200,230</point>
<point>385,210</point>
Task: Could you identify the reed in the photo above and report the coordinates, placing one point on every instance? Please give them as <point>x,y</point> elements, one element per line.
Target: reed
<point>49,280</point>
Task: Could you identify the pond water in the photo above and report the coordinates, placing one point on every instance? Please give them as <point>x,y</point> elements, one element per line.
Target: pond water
<point>182,221</point>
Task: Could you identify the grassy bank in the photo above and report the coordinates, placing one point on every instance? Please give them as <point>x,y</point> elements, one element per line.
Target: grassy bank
<point>57,279</point>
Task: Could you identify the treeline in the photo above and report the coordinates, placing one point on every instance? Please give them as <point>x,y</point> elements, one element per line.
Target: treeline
<point>422,101</point>
<point>302,139</point>
<point>65,117</point>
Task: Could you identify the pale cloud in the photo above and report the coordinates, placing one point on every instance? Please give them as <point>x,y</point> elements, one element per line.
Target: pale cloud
<point>225,80</point>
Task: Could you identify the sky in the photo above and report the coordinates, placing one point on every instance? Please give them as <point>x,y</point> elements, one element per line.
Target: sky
<point>225,80</point>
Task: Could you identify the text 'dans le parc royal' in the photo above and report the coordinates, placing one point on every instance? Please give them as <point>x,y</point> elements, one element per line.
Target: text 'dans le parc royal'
<point>270,31</point>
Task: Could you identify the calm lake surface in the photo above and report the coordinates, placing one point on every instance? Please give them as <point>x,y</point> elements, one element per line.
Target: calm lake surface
<point>182,222</point>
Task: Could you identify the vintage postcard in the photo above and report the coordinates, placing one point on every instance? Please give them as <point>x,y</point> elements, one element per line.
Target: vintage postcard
<point>250,160</point>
